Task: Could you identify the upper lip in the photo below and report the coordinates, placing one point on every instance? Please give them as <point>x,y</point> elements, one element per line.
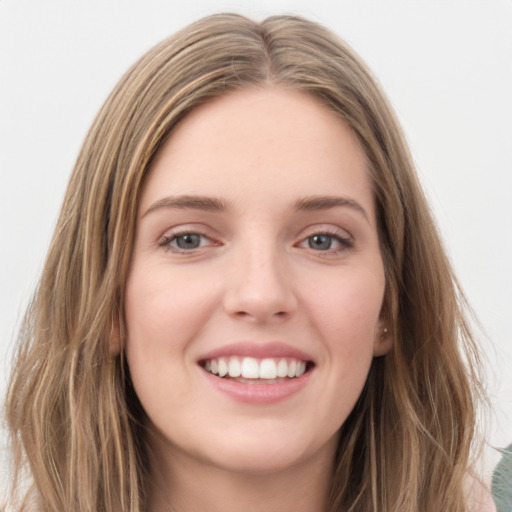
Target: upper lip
<point>257,350</point>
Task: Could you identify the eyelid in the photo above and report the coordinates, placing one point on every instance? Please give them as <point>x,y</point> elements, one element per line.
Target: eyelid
<point>326,229</point>
<point>343,237</point>
<point>164,241</point>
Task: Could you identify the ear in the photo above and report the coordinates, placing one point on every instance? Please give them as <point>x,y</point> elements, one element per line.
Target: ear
<point>383,340</point>
<point>114,337</point>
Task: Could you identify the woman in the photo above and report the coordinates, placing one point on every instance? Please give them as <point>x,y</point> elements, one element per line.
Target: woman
<point>246,303</point>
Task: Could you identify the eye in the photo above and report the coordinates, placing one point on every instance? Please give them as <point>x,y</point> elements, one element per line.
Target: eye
<point>320,242</point>
<point>326,242</point>
<point>185,242</point>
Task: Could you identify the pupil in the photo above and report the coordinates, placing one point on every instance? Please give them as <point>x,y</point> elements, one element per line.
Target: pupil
<point>320,242</point>
<point>190,241</point>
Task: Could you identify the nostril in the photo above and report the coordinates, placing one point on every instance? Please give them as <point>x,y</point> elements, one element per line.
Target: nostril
<point>253,301</point>
<point>279,314</point>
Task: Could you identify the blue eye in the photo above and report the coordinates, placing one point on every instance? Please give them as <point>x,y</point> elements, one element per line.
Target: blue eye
<point>187,241</point>
<point>327,242</point>
<point>184,242</point>
<point>320,242</point>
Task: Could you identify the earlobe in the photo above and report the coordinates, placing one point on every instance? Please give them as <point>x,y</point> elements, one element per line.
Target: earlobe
<point>383,342</point>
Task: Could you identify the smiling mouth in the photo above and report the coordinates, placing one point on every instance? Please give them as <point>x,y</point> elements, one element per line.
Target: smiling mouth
<point>250,370</point>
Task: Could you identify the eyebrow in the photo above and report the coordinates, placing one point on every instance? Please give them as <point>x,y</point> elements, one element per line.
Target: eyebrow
<point>315,203</point>
<point>214,204</point>
<point>208,204</point>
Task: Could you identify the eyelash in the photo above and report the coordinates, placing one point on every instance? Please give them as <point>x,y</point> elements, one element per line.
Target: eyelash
<point>167,240</point>
<point>345,242</point>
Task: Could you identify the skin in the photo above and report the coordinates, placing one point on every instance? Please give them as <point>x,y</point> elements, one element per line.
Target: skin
<point>260,273</point>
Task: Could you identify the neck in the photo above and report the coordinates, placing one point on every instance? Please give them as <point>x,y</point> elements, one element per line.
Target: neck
<point>185,485</point>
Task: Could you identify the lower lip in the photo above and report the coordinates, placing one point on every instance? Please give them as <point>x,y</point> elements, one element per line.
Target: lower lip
<point>258,393</point>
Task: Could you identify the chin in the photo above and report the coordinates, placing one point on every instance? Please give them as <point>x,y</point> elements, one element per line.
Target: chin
<point>267,453</point>
<point>259,462</point>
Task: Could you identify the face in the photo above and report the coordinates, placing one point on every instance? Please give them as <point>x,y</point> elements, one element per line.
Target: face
<point>256,284</point>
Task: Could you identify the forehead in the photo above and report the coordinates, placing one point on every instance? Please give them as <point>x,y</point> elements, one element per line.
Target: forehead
<point>260,141</point>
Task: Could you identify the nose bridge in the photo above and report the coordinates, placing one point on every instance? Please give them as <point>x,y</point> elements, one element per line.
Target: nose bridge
<point>260,287</point>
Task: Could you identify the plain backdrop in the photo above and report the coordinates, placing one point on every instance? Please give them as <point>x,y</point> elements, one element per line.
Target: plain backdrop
<point>446,66</point>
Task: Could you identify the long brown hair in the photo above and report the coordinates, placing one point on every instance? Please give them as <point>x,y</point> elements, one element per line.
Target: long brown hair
<point>75,421</point>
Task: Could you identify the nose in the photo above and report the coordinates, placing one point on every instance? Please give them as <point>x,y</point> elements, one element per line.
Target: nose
<point>260,288</point>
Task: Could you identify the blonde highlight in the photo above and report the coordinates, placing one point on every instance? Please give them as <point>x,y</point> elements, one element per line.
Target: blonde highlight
<point>75,421</point>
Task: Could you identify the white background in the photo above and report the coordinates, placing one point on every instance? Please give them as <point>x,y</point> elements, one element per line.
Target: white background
<point>446,65</point>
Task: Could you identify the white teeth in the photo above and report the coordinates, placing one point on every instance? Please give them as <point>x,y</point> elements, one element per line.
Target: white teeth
<point>252,368</point>
<point>292,366</point>
<point>282,368</point>
<point>268,369</point>
<point>223,367</point>
<point>234,367</point>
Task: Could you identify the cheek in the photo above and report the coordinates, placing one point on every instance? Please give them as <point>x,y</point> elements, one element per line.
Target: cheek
<point>347,318</point>
<point>164,314</point>
<point>346,314</point>
<point>160,308</point>
<point>348,305</point>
